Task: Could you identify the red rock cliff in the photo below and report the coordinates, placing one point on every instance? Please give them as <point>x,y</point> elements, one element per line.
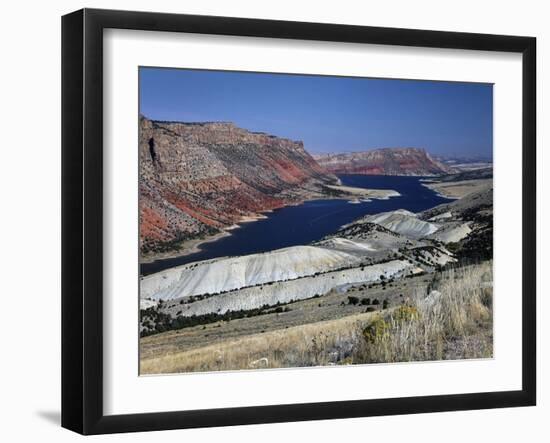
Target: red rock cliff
<point>196,178</point>
<point>387,161</point>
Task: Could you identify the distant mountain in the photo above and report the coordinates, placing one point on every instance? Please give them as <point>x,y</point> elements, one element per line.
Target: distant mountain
<point>198,178</point>
<point>386,161</point>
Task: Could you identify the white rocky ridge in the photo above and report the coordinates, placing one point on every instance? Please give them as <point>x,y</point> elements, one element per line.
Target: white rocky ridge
<point>444,216</point>
<point>436,256</point>
<point>227,274</point>
<point>299,289</point>
<point>451,232</point>
<point>402,222</point>
<point>344,243</point>
<point>408,224</point>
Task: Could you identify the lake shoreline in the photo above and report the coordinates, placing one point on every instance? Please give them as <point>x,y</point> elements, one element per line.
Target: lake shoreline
<point>305,222</point>
<point>355,195</point>
<point>192,246</point>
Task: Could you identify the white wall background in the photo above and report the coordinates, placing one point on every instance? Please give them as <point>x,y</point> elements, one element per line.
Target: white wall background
<point>30,218</point>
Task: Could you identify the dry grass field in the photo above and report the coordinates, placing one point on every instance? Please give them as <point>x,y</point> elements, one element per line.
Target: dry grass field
<point>453,322</point>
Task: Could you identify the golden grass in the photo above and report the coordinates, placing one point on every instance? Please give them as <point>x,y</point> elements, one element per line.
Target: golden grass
<point>454,322</point>
<point>304,345</point>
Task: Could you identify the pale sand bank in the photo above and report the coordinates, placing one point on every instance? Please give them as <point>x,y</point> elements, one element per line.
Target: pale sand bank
<point>380,194</point>
<point>458,189</point>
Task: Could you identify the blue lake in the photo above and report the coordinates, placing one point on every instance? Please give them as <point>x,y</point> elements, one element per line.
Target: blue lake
<point>310,221</point>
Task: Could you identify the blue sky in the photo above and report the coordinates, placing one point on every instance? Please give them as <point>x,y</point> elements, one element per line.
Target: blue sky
<point>329,114</point>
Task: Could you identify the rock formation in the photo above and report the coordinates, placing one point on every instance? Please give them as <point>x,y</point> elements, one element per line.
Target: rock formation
<point>387,161</point>
<point>198,178</point>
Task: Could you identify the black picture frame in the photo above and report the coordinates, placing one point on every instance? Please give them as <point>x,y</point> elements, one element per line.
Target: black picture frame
<point>82,215</point>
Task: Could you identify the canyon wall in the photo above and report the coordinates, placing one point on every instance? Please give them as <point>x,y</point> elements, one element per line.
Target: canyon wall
<point>198,178</point>
<point>386,161</point>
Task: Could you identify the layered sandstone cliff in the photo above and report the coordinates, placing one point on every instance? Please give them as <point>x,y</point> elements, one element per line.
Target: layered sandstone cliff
<point>386,161</point>
<point>198,178</point>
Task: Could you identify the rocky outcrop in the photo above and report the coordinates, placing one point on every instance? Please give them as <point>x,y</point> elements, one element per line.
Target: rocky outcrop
<point>228,274</point>
<point>402,222</point>
<point>198,178</point>
<point>286,291</point>
<point>269,293</point>
<point>387,161</point>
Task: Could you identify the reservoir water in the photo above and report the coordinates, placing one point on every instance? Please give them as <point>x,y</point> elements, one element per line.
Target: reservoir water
<point>310,221</point>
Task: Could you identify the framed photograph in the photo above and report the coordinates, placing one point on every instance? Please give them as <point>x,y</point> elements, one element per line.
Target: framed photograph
<point>269,221</point>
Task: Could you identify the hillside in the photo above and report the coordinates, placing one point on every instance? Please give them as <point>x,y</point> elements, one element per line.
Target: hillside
<point>479,201</point>
<point>198,178</point>
<point>475,174</point>
<point>387,161</point>
<point>475,210</point>
<point>227,274</point>
<point>459,185</point>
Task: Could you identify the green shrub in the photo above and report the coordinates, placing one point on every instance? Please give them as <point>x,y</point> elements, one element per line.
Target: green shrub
<point>405,313</point>
<point>376,330</point>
